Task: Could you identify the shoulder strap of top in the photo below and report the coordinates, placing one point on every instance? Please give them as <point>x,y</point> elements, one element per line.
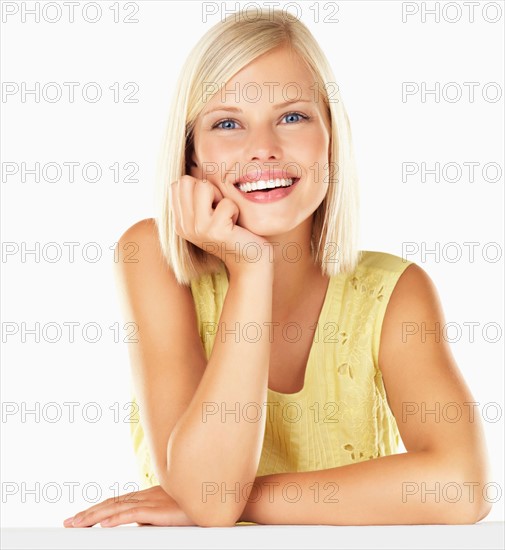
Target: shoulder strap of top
<point>379,272</point>
<point>376,275</point>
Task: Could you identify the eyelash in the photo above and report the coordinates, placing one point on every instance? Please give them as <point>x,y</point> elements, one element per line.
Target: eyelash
<point>304,117</point>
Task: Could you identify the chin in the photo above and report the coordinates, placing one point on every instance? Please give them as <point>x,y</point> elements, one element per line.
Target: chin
<point>266,229</point>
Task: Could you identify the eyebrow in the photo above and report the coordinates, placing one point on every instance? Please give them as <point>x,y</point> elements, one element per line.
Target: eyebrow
<point>276,107</point>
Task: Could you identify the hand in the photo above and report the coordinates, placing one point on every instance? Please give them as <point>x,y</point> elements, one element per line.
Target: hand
<point>151,506</point>
<point>212,229</point>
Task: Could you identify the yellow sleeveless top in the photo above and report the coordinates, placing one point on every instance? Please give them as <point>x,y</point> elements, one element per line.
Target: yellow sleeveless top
<point>341,415</point>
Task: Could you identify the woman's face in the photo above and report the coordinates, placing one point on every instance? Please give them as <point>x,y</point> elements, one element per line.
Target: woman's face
<point>265,136</point>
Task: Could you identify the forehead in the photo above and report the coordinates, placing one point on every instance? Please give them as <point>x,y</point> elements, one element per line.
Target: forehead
<point>279,65</point>
<point>277,76</point>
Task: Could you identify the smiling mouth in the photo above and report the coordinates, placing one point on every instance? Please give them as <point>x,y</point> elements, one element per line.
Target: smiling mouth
<point>264,185</point>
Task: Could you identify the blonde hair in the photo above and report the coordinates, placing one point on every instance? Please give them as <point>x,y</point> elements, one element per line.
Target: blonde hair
<point>223,51</point>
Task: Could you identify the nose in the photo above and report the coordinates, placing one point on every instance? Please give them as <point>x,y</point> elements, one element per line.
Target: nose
<point>263,144</point>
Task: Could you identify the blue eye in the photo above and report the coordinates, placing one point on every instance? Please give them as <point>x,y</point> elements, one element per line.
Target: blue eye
<point>222,122</point>
<point>296,114</point>
<point>219,127</point>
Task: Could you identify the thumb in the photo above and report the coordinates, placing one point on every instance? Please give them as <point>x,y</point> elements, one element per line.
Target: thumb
<point>218,196</point>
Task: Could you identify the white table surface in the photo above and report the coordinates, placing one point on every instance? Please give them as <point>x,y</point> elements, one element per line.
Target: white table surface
<point>487,535</point>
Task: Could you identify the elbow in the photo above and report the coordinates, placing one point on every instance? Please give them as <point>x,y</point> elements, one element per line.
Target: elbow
<point>469,516</point>
<point>203,514</point>
<point>481,504</point>
<point>483,511</point>
<point>210,515</point>
<point>480,508</point>
<point>223,520</point>
<point>472,503</point>
<point>466,489</point>
<point>197,499</point>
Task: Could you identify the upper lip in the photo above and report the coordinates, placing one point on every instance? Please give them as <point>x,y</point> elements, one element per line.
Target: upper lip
<point>268,175</point>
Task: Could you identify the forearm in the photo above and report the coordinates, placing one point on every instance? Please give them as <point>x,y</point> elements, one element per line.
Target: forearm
<point>401,489</point>
<point>214,441</point>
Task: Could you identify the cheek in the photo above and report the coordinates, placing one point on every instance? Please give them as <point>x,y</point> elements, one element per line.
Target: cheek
<point>212,144</point>
<point>212,154</point>
<point>315,146</point>
<point>222,159</point>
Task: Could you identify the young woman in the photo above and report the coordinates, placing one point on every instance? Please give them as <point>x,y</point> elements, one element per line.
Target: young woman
<point>274,371</point>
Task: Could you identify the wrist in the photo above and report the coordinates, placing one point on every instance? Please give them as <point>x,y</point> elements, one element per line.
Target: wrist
<point>262,269</point>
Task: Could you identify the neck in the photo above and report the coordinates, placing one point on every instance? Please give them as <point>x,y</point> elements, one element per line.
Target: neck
<point>295,272</point>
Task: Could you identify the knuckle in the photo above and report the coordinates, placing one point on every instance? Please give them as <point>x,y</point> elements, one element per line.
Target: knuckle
<point>178,229</point>
<point>200,229</point>
<point>184,232</point>
<point>227,202</point>
<point>202,188</point>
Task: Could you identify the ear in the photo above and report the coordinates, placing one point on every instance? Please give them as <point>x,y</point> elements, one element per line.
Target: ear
<point>190,159</point>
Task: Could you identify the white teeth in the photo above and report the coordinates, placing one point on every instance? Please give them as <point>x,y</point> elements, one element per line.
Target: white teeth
<point>265,184</point>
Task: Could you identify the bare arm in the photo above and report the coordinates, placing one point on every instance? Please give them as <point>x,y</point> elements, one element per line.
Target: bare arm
<point>223,448</point>
<point>402,489</point>
<point>168,364</point>
<point>442,477</point>
<point>213,444</point>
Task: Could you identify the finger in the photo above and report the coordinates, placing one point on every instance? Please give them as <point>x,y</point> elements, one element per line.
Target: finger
<point>128,497</point>
<point>225,211</point>
<point>218,196</point>
<point>205,195</point>
<point>174,203</point>
<point>105,512</point>
<point>147,515</point>
<point>186,191</point>
<point>80,519</point>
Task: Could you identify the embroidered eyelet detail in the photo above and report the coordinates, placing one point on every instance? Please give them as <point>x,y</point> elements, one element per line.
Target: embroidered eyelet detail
<point>345,369</point>
<point>367,285</point>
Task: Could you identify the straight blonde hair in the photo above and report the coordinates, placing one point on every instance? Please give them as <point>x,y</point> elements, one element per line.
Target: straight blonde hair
<point>223,51</point>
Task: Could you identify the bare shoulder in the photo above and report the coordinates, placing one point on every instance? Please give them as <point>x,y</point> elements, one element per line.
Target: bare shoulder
<point>415,359</point>
<point>142,235</point>
<point>139,254</point>
<point>414,296</point>
<point>422,379</point>
<point>413,307</point>
<point>145,226</point>
<point>168,358</point>
<point>147,282</point>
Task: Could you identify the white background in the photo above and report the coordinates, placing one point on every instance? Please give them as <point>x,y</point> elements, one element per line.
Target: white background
<point>372,53</point>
